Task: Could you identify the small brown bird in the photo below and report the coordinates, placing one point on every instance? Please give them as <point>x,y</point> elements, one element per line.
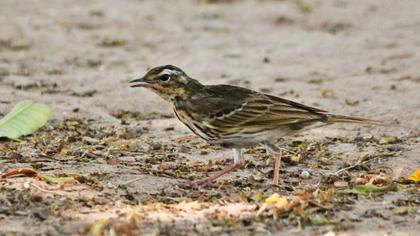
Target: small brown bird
<point>234,117</point>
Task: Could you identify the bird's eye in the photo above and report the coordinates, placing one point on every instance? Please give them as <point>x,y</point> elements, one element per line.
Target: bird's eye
<point>164,78</point>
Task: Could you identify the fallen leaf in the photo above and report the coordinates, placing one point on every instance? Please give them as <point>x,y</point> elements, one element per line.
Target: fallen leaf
<point>275,200</point>
<point>388,140</point>
<point>257,197</point>
<point>296,158</point>
<point>29,172</point>
<point>380,179</point>
<point>325,196</point>
<point>369,189</point>
<point>25,118</point>
<point>415,176</point>
<point>98,228</point>
<point>58,180</point>
<point>318,219</point>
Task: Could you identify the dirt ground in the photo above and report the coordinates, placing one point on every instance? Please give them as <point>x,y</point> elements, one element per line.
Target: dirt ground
<point>128,158</point>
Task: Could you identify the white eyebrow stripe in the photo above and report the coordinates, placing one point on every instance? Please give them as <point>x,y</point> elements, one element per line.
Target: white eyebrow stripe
<point>168,72</point>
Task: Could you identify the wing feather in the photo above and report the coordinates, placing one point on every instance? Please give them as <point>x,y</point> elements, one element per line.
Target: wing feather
<point>261,114</point>
<point>227,113</point>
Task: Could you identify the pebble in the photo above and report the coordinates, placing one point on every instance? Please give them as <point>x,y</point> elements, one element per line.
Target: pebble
<point>133,132</point>
<point>325,161</point>
<point>367,137</point>
<point>394,148</point>
<point>295,159</point>
<point>304,174</point>
<point>185,149</point>
<point>90,140</point>
<point>24,83</point>
<point>388,140</point>
<point>156,146</point>
<point>127,159</point>
<point>341,184</point>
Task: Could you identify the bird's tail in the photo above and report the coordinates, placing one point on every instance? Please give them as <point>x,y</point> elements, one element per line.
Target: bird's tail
<point>331,118</point>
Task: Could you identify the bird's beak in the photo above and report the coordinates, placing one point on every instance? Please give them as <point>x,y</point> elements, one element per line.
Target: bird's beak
<point>140,83</point>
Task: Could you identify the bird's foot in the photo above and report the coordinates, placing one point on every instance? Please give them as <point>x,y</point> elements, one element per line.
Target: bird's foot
<point>208,181</point>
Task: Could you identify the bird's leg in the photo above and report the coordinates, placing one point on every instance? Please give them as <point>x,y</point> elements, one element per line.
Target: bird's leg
<point>237,163</point>
<point>277,155</point>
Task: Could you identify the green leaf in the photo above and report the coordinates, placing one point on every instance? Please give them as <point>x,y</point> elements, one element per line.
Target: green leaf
<point>58,180</point>
<point>25,118</point>
<point>318,219</point>
<point>257,197</point>
<point>370,188</point>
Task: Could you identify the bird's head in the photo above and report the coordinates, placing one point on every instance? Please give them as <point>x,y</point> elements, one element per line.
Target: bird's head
<point>168,82</point>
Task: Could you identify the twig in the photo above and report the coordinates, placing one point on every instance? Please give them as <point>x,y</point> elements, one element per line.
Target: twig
<point>350,167</point>
<point>132,180</point>
<point>45,190</point>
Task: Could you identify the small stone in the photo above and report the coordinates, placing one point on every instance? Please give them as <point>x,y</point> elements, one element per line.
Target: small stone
<point>295,159</point>
<point>204,152</point>
<point>185,149</point>
<point>325,161</point>
<point>283,20</point>
<point>394,148</point>
<point>388,140</point>
<point>359,139</point>
<point>24,83</point>
<point>367,137</point>
<point>341,184</point>
<point>90,140</point>
<point>94,62</point>
<point>36,197</point>
<point>305,174</point>
<point>127,159</point>
<point>85,93</point>
<point>156,146</point>
<point>41,213</point>
<point>133,132</point>
<point>279,79</point>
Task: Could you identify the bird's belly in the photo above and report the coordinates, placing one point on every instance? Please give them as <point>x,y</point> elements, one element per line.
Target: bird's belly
<point>237,139</point>
<point>246,140</point>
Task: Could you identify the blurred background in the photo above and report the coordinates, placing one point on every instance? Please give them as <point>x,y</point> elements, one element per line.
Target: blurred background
<point>351,57</point>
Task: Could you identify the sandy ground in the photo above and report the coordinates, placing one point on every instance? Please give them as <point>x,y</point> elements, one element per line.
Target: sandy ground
<point>349,57</point>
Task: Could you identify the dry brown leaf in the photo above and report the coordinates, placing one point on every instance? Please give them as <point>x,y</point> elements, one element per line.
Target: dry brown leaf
<point>20,172</point>
<point>326,196</point>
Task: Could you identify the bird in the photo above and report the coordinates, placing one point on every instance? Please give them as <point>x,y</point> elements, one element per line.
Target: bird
<point>235,117</point>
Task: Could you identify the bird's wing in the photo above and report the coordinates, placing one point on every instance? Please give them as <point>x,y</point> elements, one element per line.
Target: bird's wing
<point>242,110</point>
